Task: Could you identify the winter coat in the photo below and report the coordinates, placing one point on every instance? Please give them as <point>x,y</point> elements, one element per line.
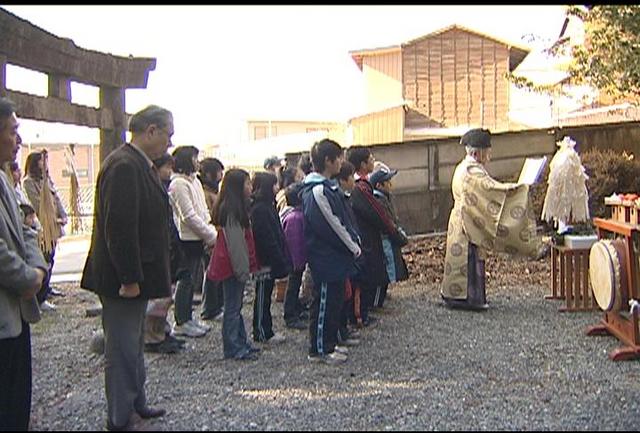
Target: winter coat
<point>234,254</point>
<point>331,241</point>
<point>373,221</point>
<point>190,212</point>
<point>292,220</point>
<point>130,238</point>
<point>271,246</point>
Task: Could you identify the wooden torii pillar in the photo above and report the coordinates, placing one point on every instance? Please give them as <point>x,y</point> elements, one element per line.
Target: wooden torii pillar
<point>28,46</point>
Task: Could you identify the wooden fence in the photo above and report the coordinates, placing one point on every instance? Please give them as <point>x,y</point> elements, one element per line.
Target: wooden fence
<point>422,187</point>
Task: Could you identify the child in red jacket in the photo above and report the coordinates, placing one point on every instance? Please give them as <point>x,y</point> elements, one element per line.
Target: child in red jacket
<point>234,259</point>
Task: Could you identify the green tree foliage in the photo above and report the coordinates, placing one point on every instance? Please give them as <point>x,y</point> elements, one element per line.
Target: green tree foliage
<point>610,58</point>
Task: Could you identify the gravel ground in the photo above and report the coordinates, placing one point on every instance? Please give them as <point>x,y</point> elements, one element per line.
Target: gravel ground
<point>521,365</point>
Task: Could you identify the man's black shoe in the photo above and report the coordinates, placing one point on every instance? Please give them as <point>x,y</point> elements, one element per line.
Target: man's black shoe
<point>466,306</point>
<point>150,412</point>
<point>175,340</point>
<point>209,316</point>
<point>297,325</point>
<point>162,347</point>
<point>127,427</point>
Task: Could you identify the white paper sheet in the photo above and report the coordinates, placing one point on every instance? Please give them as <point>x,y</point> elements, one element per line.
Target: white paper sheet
<point>531,170</point>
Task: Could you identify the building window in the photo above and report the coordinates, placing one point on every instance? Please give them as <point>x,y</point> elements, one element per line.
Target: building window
<point>318,129</point>
<point>260,132</point>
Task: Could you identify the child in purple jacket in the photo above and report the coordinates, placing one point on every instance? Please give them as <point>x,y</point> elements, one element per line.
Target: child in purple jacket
<point>292,223</point>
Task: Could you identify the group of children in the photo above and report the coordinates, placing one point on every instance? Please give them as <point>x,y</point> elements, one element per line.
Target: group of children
<point>327,220</point>
<point>338,222</point>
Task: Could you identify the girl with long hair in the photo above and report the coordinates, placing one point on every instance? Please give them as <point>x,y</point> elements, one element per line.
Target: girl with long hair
<point>272,253</point>
<point>234,259</point>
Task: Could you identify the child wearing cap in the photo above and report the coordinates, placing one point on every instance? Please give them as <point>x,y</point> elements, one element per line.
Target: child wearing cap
<point>391,244</point>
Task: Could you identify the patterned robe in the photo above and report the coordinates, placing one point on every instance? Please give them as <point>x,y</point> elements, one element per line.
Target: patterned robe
<point>489,214</point>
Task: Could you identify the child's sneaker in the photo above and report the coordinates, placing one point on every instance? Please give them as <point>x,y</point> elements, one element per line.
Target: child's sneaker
<point>342,350</point>
<point>187,329</point>
<point>354,334</point>
<point>201,325</point>
<point>333,358</point>
<point>350,342</point>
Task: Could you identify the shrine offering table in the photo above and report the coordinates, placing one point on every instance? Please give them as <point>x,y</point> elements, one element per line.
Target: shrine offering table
<point>570,278</point>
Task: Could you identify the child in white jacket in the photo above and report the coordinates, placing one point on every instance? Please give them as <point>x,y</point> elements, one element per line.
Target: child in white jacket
<point>193,221</point>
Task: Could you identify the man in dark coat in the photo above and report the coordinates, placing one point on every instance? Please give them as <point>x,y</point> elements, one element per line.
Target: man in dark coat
<point>128,261</point>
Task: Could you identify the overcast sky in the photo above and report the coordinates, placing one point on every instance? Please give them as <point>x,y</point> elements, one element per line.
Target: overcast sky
<point>218,66</point>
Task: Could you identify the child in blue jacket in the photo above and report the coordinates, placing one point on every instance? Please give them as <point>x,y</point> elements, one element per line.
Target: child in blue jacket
<point>332,247</point>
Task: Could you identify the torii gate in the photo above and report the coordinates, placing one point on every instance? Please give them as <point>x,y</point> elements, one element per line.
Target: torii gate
<point>28,46</point>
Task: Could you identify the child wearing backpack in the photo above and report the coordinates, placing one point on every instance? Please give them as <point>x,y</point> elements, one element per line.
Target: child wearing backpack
<point>292,220</point>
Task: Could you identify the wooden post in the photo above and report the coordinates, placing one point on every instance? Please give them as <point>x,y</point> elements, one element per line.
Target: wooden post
<point>59,87</point>
<point>455,78</point>
<point>482,82</point>
<point>430,90</point>
<point>112,98</point>
<point>441,78</point>
<point>3,75</point>
<point>468,80</point>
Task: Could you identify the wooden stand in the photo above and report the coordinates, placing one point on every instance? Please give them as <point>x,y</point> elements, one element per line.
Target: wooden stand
<point>570,278</point>
<point>623,326</point>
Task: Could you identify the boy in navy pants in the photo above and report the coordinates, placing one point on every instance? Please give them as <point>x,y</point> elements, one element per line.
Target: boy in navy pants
<point>332,246</point>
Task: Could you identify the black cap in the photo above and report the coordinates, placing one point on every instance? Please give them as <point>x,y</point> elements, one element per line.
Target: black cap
<point>381,175</point>
<point>272,161</point>
<point>478,138</point>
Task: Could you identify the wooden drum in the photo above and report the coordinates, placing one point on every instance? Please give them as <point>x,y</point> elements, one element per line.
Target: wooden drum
<point>608,274</point>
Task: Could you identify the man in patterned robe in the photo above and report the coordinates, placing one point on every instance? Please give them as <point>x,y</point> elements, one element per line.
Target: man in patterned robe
<point>487,215</point>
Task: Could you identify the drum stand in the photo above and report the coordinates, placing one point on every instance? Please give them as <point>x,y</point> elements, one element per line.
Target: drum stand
<point>613,323</point>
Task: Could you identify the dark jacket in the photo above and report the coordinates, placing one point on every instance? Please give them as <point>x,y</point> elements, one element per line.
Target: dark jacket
<point>271,246</point>
<point>360,263</point>
<point>332,242</point>
<point>176,256</point>
<point>372,221</point>
<point>130,239</point>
